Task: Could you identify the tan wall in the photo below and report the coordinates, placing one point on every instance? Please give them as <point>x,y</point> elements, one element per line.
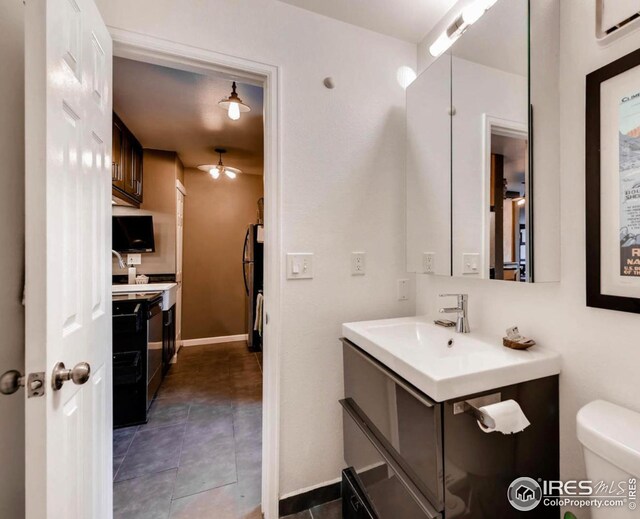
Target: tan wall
<point>161,169</point>
<point>217,214</point>
<point>12,257</point>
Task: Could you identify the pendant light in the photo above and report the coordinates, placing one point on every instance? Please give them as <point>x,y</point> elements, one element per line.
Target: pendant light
<point>233,104</point>
<point>215,170</point>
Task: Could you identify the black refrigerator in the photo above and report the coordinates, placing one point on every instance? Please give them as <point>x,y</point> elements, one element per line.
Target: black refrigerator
<point>253,272</point>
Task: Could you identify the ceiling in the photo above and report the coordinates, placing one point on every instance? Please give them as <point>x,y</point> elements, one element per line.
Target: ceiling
<point>515,159</point>
<point>409,20</point>
<point>174,110</point>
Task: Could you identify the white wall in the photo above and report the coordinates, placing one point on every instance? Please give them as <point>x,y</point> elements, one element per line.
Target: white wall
<point>600,350</point>
<point>477,90</point>
<point>12,257</point>
<point>343,189</point>
<point>429,168</point>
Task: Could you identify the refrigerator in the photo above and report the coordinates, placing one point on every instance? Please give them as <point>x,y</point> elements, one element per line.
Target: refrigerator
<point>253,273</point>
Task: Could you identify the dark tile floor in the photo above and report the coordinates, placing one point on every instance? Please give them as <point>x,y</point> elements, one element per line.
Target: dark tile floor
<point>332,510</point>
<point>199,456</point>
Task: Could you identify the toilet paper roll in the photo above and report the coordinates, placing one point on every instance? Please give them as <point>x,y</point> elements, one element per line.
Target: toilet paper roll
<point>508,417</point>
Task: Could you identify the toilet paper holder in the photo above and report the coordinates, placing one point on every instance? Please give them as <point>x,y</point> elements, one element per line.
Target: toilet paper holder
<point>473,405</point>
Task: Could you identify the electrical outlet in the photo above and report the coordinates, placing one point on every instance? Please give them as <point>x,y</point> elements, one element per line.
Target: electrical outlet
<point>403,290</point>
<point>299,265</point>
<point>428,262</point>
<point>134,259</point>
<point>358,263</point>
<point>471,263</point>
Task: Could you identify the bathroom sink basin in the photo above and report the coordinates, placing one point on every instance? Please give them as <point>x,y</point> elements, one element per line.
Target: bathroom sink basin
<point>169,291</point>
<point>445,364</point>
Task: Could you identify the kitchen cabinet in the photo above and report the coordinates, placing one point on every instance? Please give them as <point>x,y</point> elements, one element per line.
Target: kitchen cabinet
<point>126,165</point>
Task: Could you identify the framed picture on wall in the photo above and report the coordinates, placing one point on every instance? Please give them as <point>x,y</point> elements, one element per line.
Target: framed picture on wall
<point>613,185</point>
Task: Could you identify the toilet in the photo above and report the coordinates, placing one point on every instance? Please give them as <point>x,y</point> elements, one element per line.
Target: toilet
<point>610,437</point>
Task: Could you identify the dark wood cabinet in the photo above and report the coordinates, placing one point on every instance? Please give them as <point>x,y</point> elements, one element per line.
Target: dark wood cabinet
<point>127,164</point>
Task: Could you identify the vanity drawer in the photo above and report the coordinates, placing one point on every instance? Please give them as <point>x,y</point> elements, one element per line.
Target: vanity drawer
<point>378,486</point>
<point>406,419</point>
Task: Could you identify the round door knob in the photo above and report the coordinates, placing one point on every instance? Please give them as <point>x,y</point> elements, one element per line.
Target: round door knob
<point>79,374</point>
<point>10,382</point>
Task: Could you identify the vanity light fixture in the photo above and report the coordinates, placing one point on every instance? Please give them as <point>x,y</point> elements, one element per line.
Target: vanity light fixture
<point>469,15</point>
<point>233,104</point>
<point>215,170</point>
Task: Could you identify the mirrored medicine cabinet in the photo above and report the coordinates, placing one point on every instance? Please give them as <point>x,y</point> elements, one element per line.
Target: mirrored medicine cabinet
<point>470,176</point>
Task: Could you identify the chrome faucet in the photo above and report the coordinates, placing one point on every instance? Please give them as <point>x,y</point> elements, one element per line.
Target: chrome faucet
<point>462,322</point>
<point>120,260</point>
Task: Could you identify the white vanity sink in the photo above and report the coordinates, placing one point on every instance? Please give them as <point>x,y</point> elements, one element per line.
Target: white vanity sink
<point>169,291</point>
<point>419,351</point>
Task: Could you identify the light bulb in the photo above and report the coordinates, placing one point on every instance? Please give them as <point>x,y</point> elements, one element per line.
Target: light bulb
<point>521,201</point>
<point>234,111</point>
<point>472,13</point>
<point>230,174</point>
<point>215,172</point>
<point>440,45</point>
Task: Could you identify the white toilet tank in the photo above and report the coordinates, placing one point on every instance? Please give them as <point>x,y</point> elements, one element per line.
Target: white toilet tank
<point>610,437</point>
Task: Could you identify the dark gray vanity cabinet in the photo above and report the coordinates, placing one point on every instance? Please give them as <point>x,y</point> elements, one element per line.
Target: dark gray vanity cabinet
<point>409,456</point>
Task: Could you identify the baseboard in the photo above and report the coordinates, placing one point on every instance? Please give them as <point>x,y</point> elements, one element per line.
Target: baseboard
<point>214,340</point>
<point>308,498</point>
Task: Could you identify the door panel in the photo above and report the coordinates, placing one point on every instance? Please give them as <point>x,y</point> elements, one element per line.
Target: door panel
<point>68,60</point>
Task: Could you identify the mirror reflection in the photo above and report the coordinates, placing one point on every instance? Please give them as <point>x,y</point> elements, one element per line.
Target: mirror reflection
<point>468,172</point>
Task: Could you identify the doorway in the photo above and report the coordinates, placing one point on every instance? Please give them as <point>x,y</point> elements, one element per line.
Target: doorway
<point>182,58</point>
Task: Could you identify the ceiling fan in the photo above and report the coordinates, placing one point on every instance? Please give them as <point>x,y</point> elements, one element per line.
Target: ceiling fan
<point>215,170</point>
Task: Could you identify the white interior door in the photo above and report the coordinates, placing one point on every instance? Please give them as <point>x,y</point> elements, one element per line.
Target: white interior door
<point>68,66</point>
<point>179,249</point>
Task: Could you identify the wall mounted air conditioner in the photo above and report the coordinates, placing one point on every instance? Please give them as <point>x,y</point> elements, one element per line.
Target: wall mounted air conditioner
<point>615,18</point>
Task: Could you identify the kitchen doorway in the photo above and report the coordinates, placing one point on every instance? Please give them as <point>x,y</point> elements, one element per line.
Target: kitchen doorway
<point>149,50</point>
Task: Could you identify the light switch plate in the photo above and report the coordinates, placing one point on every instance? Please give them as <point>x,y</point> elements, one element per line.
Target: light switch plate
<point>428,262</point>
<point>403,290</point>
<point>134,259</point>
<point>471,263</point>
<point>358,263</point>
<point>299,265</point>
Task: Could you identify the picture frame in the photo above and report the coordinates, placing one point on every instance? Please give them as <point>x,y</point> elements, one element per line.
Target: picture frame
<point>612,154</point>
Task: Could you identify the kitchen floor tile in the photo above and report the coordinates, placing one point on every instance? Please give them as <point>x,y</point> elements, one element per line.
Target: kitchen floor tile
<point>122,439</point>
<point>207,473</point>
<point>147,497</point>
<point>152,450</point>
<point>203,442</point>
<point>165,412</point>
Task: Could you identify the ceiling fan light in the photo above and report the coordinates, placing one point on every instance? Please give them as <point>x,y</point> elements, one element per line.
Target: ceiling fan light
<point>215,173</point>
<point>229,174</point>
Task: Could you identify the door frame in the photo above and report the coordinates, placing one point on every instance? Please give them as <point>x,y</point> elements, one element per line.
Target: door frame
<point>139,47</point>
<point>492,125</point>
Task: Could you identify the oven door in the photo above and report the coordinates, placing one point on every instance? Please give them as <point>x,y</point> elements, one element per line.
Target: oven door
<point>409,422</point>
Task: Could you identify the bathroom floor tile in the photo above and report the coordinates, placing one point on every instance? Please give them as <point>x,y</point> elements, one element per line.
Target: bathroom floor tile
<point>331,510</point>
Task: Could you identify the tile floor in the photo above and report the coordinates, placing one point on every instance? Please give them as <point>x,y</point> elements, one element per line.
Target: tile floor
<point>199,456</point>
<point>331,510</point>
